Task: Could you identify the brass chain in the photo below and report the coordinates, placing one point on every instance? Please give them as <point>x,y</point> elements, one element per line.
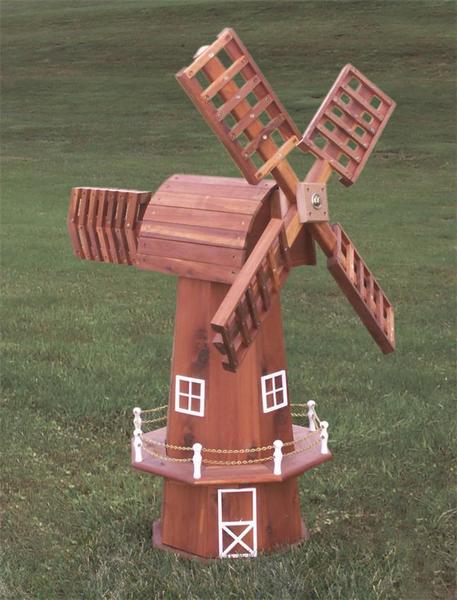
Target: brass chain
<point>298,450</point>
<point>149,444</point>
<point>157,420</point>
<point>167,446</point>
<point>150,410</point>
<point>247,461</point>
<point>240,451</point>
<point>165,457</point>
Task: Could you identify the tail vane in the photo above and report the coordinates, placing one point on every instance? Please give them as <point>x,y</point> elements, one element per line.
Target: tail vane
<point>103,223</point>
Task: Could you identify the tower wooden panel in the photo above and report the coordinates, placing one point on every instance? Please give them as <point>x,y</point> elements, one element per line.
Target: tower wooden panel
<point>192,528</point>
<point>233,406</point>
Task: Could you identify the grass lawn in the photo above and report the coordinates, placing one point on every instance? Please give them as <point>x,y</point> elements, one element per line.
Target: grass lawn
<point>89,98</point>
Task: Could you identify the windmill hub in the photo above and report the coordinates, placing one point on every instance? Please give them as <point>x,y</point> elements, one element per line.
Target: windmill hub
<point>226,445</point>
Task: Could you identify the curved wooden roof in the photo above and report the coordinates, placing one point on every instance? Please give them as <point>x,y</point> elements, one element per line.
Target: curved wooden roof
<point>203,227</point>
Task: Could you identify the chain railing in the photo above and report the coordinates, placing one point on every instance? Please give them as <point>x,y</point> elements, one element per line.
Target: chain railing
<point>317,430</point>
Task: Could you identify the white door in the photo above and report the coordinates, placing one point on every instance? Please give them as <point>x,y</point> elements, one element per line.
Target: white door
<point>237,522</point>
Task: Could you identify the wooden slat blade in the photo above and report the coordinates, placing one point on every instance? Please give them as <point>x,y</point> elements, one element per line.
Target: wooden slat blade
<point>375,313</point>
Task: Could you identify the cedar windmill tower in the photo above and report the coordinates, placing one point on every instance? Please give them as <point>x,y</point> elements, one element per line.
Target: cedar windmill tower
<point>229,453</point>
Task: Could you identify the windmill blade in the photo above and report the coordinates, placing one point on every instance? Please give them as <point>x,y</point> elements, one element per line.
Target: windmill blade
<point>362,290</point>
<point>240,106</point>
<point>104,223</point>
<point>246,304</point>
<point>348,124</point>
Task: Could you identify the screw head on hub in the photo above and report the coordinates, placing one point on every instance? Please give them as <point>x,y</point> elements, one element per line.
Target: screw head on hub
<point>316,201</point>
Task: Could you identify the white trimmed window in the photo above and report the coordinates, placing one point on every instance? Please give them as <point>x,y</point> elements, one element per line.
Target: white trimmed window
<point>274,391</point>
<point>190,395</point>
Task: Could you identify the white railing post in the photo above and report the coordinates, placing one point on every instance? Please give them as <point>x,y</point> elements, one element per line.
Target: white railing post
<point>137,418</point>
<point>324,438</point>
<point>138,445</point>
<point>311,415</point>
<point>277,456</point>
<point>197,460</point>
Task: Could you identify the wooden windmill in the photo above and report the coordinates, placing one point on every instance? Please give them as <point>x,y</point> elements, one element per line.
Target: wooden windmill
<point>229,454</point>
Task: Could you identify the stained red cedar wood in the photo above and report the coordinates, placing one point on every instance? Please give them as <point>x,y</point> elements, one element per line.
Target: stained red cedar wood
<point>250,116</point>
<point>223,79</point>
<point>349,111</point>
<point>82,223</point>
<point>187,524</point>
<point>197,218</point>
<point>247,272</point>
<point>362,102</point>
<point>237,98</point>
<point>277,158</point>
<point>72,223</point>
<point>215,180</point>
<point>253,145</point>
<point>340,139</point>
<point>199,235</point>
<point>375,127</point>
<point>232,416</point>
<point>222,39</point>
<point>356,293</point>
<point>119,226</point>
<point>133,202</point>
<point>235,48</point>
<point>218,189</point>
<point>195,252</point>
<point>350,131</point>
<point>267,148</point>
<point>101,216</point>
<point>208,111</point>
<point>91,224</point>
<point>206,202</point>
<point>186,268</point>
<point>109,225</point>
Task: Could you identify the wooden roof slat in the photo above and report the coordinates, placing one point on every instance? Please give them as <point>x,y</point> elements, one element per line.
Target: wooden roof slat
<point>197,235</point>
<point>206,203</point>
<point>197,218</point>
<point>230,257</point>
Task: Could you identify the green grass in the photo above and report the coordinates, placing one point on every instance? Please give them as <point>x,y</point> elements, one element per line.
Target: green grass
<point>89,98</point>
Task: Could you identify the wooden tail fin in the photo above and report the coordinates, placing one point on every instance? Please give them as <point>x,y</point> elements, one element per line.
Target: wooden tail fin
<point>103,223</point>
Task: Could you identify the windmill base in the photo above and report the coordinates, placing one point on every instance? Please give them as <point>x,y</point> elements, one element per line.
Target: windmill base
<point>157,543</point>
<point>223,521</point>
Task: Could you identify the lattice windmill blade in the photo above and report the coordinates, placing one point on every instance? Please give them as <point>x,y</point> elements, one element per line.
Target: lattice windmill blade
<point>240,106</point>
<point>344,132</point>
<point>104,223</point>
<point>362,290</point>
<point>250,297</point>
<point>348,124</point>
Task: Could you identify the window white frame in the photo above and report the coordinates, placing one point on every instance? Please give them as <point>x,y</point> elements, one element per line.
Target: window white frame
<point>274,392</point>
<point>183,400</point>
<point>237,539</point>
